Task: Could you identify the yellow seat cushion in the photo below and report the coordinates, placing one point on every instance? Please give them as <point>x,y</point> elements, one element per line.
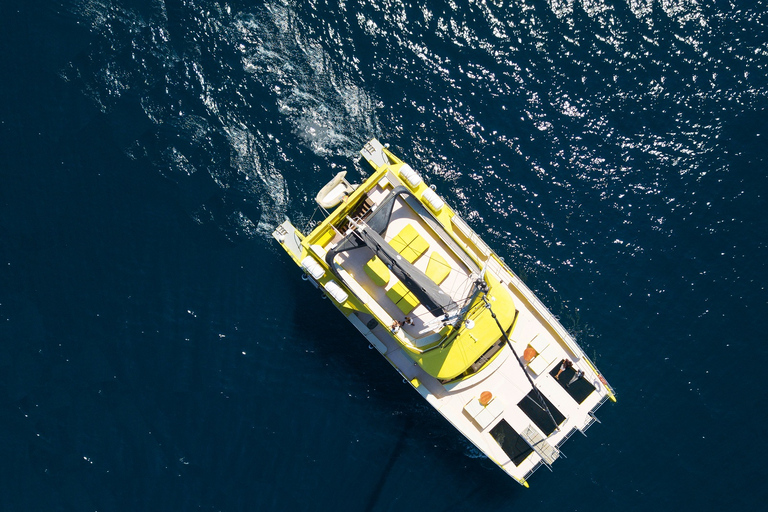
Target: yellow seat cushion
<point>409,243</point>
<point>437,268</point>
<point>377,271</point>
<point>415,249</point>
<point>403,238</point>
<point>402,297</point>
<point>398,243</point>
<point>408,303</point>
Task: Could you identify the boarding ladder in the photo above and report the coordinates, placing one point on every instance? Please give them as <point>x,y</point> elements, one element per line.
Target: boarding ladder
<point>546,451</point>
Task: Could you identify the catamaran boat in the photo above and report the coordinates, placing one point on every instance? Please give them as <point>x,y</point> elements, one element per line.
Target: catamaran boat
<point>449,315</point>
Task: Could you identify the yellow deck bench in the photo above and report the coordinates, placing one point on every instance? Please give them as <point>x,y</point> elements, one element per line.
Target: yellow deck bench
<point>437,268</point>
<point>402,297</point>
<point>377,271</point>
<point>409,243</point>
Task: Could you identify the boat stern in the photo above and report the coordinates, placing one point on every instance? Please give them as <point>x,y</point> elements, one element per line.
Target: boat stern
<point>290,239</point>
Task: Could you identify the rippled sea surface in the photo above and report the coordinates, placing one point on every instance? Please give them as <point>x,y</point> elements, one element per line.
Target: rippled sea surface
<point>158,351</point>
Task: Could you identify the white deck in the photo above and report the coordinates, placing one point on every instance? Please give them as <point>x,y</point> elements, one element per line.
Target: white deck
<point>504,377</point>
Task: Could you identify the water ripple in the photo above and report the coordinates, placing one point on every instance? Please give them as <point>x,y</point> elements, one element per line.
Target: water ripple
<point>581,125</point>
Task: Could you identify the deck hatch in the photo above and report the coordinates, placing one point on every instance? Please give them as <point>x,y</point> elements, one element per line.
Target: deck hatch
<point>532,406</point>
<point>516,448</point>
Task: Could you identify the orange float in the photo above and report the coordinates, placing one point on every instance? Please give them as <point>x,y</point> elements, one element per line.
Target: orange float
<point>529,354</point>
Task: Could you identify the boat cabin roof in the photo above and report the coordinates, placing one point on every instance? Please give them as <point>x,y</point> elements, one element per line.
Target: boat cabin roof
<point>444,347</point>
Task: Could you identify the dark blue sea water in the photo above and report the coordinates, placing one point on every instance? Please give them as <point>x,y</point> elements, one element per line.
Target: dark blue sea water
<point>158,351</point>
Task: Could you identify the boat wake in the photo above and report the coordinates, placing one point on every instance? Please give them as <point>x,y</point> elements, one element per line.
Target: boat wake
<point>219,92</point>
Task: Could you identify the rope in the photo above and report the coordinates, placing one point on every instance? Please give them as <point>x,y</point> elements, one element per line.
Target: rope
<point>506,338</point>
<point>309,225</point>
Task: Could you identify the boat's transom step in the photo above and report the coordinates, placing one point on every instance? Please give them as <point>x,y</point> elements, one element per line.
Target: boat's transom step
<point>546,451</point>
